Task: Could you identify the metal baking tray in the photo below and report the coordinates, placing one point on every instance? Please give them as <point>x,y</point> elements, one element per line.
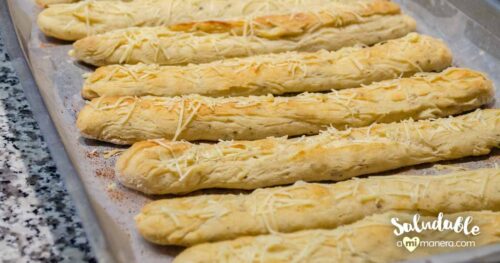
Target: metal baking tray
<point>470,28</point>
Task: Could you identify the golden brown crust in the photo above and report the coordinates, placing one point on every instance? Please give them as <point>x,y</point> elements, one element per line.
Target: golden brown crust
<point>78,20</point>
<point>207,218</point>
<point>161,166</point>
<point>280,26</point>
<point>275,73</point>
<point>126,120</point>
<point>163,46</point>
<point>369,240</point>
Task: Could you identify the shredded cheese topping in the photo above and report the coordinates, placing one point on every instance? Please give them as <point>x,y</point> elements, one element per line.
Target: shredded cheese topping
<point>402,135</point>
<point>259,74</point>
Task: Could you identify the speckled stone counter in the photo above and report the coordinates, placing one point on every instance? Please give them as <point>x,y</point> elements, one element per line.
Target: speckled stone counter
<point>38,220</point>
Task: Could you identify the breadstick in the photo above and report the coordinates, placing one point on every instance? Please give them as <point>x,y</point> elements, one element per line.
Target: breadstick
<point>78,20</point>
<point>275,73</point>
<point>161,166</point>
<point>125,120</point>
<point>369,240</point>
<point>198,219</point>
<point>164,46</point>
<point>290,25</point>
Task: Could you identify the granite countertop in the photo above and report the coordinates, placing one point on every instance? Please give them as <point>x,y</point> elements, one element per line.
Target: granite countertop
<point>38,220</point>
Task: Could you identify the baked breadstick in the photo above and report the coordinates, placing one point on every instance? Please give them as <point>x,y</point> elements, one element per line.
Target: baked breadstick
<point>198,219</point>
<point>164,46</point>
<point>78,20</point>
<point>369,240</point>
<point>125,120</point>
<point>275,73</point>
<point>161,166</point>
<point>293,24</point>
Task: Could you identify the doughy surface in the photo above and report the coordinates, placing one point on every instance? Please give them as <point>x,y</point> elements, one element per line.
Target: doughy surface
<point>161,166</point>
<point>74,21</point>
<point>282,73</point>
<point>126,120</point>
<point>161,45</point>
<point>208,218</point>
<point>369,240</point>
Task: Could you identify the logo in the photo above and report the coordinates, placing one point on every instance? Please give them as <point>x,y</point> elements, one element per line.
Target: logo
<point>459,225</point>
<point>411,243</point>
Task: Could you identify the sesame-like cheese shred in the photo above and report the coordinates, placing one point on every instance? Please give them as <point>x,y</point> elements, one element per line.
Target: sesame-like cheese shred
<point>272,202</point>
